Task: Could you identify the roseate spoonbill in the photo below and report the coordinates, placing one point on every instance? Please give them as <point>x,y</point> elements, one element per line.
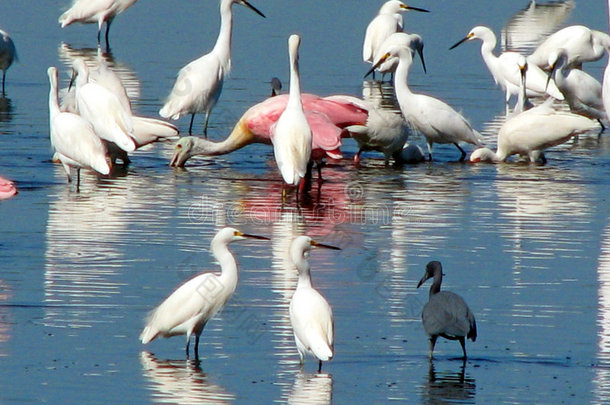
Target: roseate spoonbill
<point>388,21</point>
<point>326,118</point>
<point>504,70</point>
<point>199,84</point>
<point>434,118</point>
<point>95,11</point>
<point>291,134</point>
<point>530,132</point>
<point>446,314</point>
<point>8,54</point>
<point>7,189</point>
<point>581,90</point>
<point>310,314</point>
<point>187,310</point>
<point>75,142</point>
<point>581,44</point>
<point>102,109</point>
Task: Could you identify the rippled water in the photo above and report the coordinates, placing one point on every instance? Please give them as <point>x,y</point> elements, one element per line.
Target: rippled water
<point>526,245</point>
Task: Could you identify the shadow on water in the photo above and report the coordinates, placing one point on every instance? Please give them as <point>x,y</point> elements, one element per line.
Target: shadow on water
<point>448,386</point>
<point>311,389</point>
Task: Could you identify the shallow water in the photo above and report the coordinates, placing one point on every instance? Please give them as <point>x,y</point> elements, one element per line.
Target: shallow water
<point>526,245</point>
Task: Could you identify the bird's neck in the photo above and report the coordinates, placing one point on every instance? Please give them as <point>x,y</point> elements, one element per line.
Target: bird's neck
<point>436,285</point>
<point>401,76</point>
<point>239,137</point>
<point>54,98</point>
<point>304,277</point>
<point>294,97</point>
<point>223,42</point>
<point>487,49</point>
<point>228,265</point>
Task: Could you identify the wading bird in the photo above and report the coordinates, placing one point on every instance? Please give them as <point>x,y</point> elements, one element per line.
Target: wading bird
<point>310,314</point>
<point>8,54</point>
<point>95,11</point>
<point>187,310</point>
<point>199,84</point>
<point>446,314</point>
<point>434,118</point>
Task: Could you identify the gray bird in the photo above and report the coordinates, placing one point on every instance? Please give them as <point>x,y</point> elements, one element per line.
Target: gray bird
<point>446,314</point>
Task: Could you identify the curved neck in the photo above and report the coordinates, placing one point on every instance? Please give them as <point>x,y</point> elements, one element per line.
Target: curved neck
<point>487,49</point>
<point>401,77</point>
<point>239,137</point>
<point>436,285</point>
<point>223,42</point>
<point>228,264</point>
<point>302,264</point>
<point>53,95</point>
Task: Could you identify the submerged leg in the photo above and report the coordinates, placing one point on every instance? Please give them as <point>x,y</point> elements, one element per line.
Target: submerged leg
<point>429,151</point>
<point>461,150</point>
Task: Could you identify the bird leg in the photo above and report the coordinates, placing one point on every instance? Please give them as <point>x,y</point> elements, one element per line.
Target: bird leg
<point>191,125</point>
<point>429,151</point>
<point>196,347</point>
<point>3,77</point>
<point>319,366</point>
<point>319,166</point>
<point>357,157</point>
<point>188,342</point>
<point>463,343</point>
<point>461,150</point>
<point>78,180</point>
<point>432,344</point>
<point>106,36</point>
<point>205,125</point>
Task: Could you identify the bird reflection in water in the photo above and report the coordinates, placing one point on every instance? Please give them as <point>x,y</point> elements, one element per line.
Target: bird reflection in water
<point>6,110</point>
<point>448,386</point>
<point>181,382</point>
<point>312,389</point>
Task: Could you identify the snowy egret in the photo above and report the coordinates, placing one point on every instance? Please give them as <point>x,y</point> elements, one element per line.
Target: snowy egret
<point>310,314</point>
<point>7,189</point>
<point>103,109</point>
<point>581,90</point>
<point>95,11</point>
<point>8,54</point>
<point>75,142</point>
<point>434,118</point>
<point>580,43</point>
<point>388,21</point>
<point>446,314</point>
<point>504,69</point>
<point>187,310</point>
<point>291,134</point>
<point>199,84</point>
<point>326,118</point>
<point>606,87</point>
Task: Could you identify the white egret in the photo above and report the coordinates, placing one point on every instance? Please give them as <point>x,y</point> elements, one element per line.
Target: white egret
<point>95,11</point>
<point>103,109</point>
<point>388,21</point>
<point>446,314</point>
<point>434,118</point>
<point>291,134</point>
<point>73,138</point>
<point>504,69</point>
<point>606,87</point>
<point>310,314</point>
<point>530,132</point>
<point>199,84</point>
<point>580,43</point>
<point>8,54</point>
<point>581,90</point>
<point>187,310</point>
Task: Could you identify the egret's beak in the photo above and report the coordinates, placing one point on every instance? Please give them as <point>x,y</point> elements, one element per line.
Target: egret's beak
<point>405,7</point>
<point>72,78</point>
<point>423,279</point>
<point>420,52</point>
<point>461,41</point>
<point>379,62</point>
<point>251,7</point>
<point>552,68</point>
<point>247,235</point>
<point>317,244</point>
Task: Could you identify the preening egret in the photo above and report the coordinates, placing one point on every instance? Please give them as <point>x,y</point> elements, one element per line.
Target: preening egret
<point>291,134</point>
<point>103,109</point>
<point>446,314</point>
<point>95,11</point>
<point>199,84</point>
<point>581,90</point>
<point>388,21</point>
<point>187,310</point>
<point>580,43</point>
<point>8,54</point>
<point>7,189</point>
<point>75,142</point>
<point>504,69</point>
<point>326,118</point>
<point>530,132</point>
<point>434,118</point>
<point>310,314</point>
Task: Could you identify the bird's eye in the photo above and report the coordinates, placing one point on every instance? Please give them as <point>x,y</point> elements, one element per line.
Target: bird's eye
<point>179,146</point>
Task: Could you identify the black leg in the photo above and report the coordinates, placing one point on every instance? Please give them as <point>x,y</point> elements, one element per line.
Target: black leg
<point>107,31</point>
<point>432,344</point>
<point>191,125</point>
<point>461,150</point>
<point>196,347</point>
<point>463,343</point>
<point>78,180</point>
<point>205,125</point>
<point>3,78</point>
<point>319,365</point>
<point>188,341</point>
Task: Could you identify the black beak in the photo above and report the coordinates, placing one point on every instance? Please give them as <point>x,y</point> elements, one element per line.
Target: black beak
<point>376,65</point>
<point>460,42</point>
<point>251,7</point>
<point>416,9</point>
<point>323,245</point>
<point>420,51</point>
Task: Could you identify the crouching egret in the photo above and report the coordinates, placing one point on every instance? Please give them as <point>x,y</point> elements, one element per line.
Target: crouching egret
<point>187,310</point>
<point>8,54</point>
<point>291,134</point>
<point>434,118</point>
<point>310,314</point>
<point>446,314</point>
<point>199,84</point>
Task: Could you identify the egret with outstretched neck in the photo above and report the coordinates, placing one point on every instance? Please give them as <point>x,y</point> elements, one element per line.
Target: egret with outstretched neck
<point>199,84</point>
<point>188,309</point>
<point>310,314</point>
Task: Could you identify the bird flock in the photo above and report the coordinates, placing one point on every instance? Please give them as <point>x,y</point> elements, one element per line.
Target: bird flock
<point>92,126</point>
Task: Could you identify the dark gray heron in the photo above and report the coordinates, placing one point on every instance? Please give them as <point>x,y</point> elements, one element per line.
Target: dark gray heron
<point>446,314</point>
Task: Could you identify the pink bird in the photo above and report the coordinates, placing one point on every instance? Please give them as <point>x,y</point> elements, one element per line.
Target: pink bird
<point>327,119</point>
<point>7,189</point>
